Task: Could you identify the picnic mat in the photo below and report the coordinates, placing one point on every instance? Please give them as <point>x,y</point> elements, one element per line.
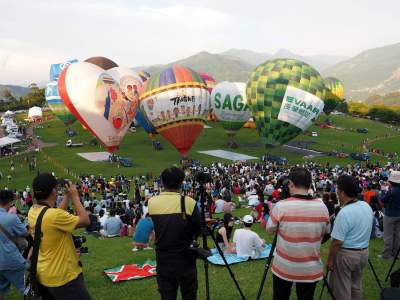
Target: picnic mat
<point>216,259</point>
<point>132,272</point>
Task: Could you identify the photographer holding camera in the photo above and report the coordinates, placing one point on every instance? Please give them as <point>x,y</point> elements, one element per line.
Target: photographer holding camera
<point>175,231</point>
<point>59,271</point>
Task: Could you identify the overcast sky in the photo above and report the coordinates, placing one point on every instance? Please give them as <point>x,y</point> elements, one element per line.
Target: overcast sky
<point>36,33</point>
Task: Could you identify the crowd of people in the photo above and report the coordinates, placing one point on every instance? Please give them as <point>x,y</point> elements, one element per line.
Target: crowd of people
<point>305,206</point>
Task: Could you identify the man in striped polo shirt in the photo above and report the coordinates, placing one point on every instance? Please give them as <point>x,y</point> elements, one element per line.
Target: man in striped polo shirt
<point>301,223</point>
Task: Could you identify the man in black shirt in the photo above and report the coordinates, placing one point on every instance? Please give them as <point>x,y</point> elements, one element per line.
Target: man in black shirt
<point>174,232</point>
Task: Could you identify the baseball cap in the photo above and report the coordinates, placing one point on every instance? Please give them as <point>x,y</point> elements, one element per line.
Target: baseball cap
<point>248,219</point>
<point>394,177</point>
<point>42,185</point>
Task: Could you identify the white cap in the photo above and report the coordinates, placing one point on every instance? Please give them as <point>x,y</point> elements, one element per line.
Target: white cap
<point>248,219</point>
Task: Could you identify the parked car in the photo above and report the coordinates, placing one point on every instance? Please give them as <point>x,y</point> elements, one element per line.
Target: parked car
<point>361,156</point>
<point>362,130</point>
<point>314,134</point>
<point>280,160</point>
<point>125,162</point>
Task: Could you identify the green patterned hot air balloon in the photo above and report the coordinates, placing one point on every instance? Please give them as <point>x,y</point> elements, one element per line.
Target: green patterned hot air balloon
<point>285,96</point>
<point>335,86</point>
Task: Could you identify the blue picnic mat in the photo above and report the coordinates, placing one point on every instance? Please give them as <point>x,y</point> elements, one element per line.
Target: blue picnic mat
<point>216,259</point>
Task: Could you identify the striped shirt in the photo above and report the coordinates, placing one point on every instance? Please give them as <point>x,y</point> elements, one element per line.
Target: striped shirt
<point>302,225</point>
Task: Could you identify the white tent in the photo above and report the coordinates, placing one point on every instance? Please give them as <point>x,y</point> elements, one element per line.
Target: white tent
<point>8,113</point>
<point>5,141</point>
<point>35,112</point>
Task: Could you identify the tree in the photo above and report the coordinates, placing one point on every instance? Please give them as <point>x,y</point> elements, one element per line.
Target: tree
<point>7,95</point>
<point>330,105</point>
<point>343,107</point>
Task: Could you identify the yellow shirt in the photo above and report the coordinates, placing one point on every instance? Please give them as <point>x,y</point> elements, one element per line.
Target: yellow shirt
<point>58,262</point>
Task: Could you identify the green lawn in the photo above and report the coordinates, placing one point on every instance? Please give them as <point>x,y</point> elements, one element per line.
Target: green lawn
<point>137,146</point>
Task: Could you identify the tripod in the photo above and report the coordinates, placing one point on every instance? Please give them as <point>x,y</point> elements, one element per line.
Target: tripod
<point>205,230</point>
<point>393,263</point>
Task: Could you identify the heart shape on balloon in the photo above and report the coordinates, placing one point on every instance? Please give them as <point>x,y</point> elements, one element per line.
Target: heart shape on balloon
<point>95,98</point>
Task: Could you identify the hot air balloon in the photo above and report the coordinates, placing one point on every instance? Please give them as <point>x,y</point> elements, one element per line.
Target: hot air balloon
<point>144,75</point>
<point>285,96</point>
<point>335,86</point>
<point>95,98</point>
<point>141,116</point>
<point>209,80</point>
<point>102,62</point>
<point>176,102</point>
<point>53,99</point>
<point>228,101</point>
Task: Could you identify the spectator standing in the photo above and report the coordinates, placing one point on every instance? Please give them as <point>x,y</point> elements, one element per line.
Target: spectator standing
<point>59,271</point>
<point>12,264</point>
<point>391,219</point>
<point>175,228</point>
<point>351,233</point>
<point>301,223</point>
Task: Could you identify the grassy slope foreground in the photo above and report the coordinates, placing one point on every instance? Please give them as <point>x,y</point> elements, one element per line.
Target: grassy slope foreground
<point>136,146</point>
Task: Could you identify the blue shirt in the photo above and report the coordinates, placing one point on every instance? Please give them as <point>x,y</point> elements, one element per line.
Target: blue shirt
<point>112,226</point>
<point>353,225</point>
<point>143,230</point>
<point>10,258</point>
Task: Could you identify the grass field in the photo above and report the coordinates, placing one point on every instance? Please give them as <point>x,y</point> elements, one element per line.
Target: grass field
<point>137,146</point>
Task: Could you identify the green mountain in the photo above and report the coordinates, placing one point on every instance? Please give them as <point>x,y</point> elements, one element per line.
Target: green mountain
<point>16,91</point>
<point>372,72</point>
<point>391,99</point>
<point>320,62</point>
<point>221,67</point>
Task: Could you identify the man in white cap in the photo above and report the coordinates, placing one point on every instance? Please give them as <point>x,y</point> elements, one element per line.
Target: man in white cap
<point>391,219</point>
<point>246,241</point>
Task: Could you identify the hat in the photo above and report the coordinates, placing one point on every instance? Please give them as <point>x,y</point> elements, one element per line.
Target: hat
<point>42,185</point>
<point>394,176</point>
<point>248,219</point>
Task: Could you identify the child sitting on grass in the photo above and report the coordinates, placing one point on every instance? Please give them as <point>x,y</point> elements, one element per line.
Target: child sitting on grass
<point>143,233</point>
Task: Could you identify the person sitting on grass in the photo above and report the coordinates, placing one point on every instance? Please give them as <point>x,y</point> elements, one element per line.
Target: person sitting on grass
<point>94,225</point>
<point>144,232</point>
<point>224,232</point>
<point>247,242</point>
<point>112,225</point>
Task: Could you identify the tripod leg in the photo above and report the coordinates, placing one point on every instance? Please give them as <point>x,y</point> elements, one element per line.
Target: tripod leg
<point>375,275</point>
<point>325,278</point>
<point>267,265</point>
<point>221,253</point>
<point>393,263</point>
<point>322,290</point>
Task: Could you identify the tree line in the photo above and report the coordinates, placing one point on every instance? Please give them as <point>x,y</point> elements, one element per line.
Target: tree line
<point>35,97</point>
<point>379,112</point>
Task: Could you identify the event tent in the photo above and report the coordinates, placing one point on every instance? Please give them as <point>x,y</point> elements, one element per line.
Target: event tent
<point>5,141</point>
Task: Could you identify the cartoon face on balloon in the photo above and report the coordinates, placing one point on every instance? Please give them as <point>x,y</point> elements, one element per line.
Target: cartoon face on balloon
<point>130,90</point>
<point>116,108</point>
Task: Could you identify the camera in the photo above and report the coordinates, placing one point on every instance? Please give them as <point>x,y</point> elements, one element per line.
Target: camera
<point>62,182</point>
<point>202,177</point>
<point>78,241</point>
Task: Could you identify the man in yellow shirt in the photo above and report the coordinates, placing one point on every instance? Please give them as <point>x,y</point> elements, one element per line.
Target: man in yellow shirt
<point>59,271</point>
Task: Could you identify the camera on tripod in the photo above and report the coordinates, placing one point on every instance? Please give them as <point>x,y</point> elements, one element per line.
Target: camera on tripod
<point>78,242</point>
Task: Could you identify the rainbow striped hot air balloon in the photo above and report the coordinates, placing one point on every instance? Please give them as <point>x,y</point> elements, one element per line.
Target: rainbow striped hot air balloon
<point>176,102</point>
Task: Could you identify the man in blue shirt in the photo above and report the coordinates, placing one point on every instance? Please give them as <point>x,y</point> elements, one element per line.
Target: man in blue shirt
<point>348,253</point>
<point>12,264</point>
<point>112,225</point>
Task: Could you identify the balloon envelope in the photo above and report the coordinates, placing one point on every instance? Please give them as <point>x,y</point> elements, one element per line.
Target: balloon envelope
<point>229,103</point>
<point>57,105</point>
<point>102,62</point>
<point>94,97</point>
<point>176,102</point>
<point>209,80</point>
<point>56,69</point>
<point>335,86</point>
<point>285,96</point>
<point>144,75</point>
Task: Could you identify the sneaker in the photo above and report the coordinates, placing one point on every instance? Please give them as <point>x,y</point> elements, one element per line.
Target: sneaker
<point>135,249</point>
<point>148,248</point>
